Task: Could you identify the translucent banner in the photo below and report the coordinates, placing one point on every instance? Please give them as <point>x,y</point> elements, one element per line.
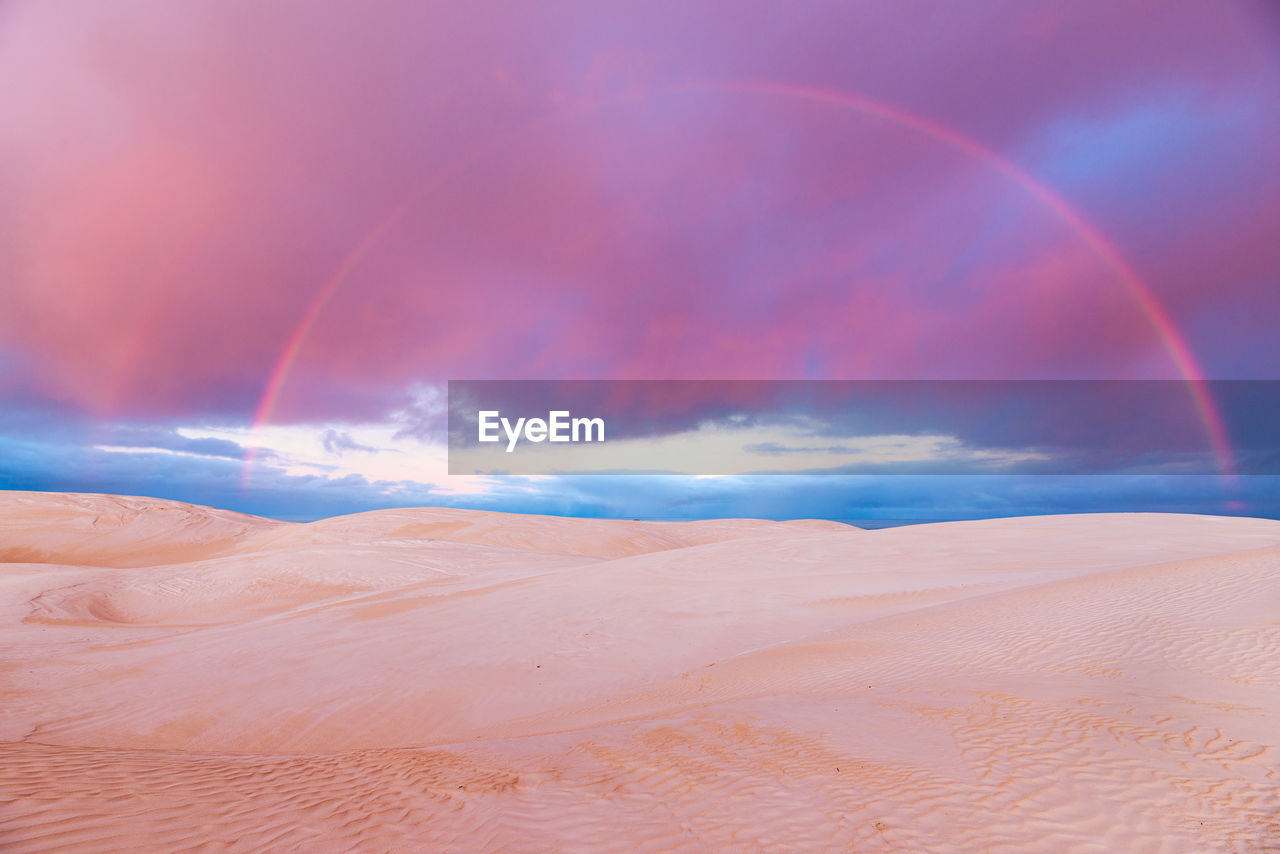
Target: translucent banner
<point>697,427</point>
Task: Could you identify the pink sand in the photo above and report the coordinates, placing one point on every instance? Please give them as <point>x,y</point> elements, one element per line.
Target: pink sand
<point>174,677</point>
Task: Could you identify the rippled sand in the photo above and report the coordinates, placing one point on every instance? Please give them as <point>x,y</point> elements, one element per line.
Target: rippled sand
<point>179,678</point>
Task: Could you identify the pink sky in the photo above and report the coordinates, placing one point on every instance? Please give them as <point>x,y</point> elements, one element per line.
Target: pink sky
<point>183,180</point>
<point>409,193</point>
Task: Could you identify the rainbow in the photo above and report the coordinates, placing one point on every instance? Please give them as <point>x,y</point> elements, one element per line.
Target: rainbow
<point>1171,338</point>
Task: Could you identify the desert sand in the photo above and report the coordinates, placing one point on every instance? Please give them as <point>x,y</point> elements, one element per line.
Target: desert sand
<point>174,677</point>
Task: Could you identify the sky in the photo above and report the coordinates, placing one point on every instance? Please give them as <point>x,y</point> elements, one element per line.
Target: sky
<point>244,245</point>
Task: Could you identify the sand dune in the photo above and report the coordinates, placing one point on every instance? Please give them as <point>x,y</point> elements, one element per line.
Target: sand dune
<point>116,531</point>
<point>180,678</point>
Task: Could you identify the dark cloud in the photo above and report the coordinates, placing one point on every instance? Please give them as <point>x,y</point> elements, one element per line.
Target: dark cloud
<point>169,439</point>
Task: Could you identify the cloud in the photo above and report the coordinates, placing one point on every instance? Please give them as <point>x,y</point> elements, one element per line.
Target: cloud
<point>774,449</point>
<point>338,442</point>
<point>34,465</point>
<point>170,439</point>
<point>50,452</point>
<point>182,182</point>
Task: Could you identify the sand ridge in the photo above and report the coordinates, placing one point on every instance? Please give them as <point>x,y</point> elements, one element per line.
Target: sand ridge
<point>190,679</point>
